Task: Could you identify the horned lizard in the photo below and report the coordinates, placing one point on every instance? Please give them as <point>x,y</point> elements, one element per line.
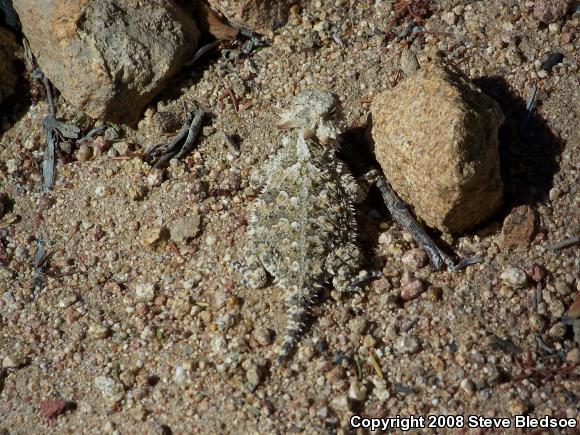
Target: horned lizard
<point>303,229</point>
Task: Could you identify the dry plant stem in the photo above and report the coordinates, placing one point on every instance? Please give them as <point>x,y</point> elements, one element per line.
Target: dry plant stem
<point>565,243</point>
<point>161,154</point>
<point>403,217</point>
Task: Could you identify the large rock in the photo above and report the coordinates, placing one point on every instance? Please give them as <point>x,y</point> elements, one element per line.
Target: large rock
<point>8,59</point>
<point>108,58</point>
<point>436,139</point>
<point>261,16</point>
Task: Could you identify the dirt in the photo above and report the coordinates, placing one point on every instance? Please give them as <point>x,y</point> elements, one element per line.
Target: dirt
<point>141,334</point>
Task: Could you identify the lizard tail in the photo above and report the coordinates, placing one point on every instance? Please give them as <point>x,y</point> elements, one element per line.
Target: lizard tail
<point>298,314</point>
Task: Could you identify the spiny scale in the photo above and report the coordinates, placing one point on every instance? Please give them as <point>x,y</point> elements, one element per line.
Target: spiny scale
<point>303,229</point>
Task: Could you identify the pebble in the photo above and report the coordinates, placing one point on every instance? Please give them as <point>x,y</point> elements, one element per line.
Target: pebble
<point>263,336</point>
<point>557,331</point>
<point>111,390</point>
<point>573,356</point>
<point>154,235</point>
<point>123,147</point>
<point>358,325</point>
<point>357,391</point>
<point>519,227</point>
<point>380,389</point>
<point>409,62</point>
<point>210,240</point>
<point>179,376</point>
<point>127,377</point>
<point>415,258</point>
<point>112,134</point>
<point>538,273</point>
<point>185,228</point>
<point>144,291</point>
<point>554,193</point>
<point>13,361</point>
<point>514,277</point>
<point>96,330</point>
<point>467,385</point>
<point>180,307</point>
<point>411,289</point>
<point>408,344</point>
<point>155,177</point>
<point>84,153</point>
<point>12,165</point>
<point>516,407</point>
<point>254,374</point>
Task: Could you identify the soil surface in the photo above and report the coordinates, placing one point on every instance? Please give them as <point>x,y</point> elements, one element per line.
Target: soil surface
<point>134,321</point>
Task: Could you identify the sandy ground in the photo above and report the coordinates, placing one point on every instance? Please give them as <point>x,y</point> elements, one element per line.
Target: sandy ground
<point>133,331</point>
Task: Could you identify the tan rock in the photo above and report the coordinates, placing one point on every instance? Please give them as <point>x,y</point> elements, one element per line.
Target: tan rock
<point>109,71</point>
<point>435,136</point>
<point>519,227</point>
<point>262,16</point>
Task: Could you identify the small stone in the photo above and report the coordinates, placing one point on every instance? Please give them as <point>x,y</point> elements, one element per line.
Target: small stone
<point>409,62</point>
<point>179,375</point>
<point>467,385</point>
<point>358,325</point>
<point>380,389</point>
<point>210,240</point>
<point>137,192</point>
<point>123,147</point>
<point>263,336</point>
<point>514,277</point>
<point>357,391</point>
<point>554,27</point>
<point>112,134</point>
<point>411,288</point>
<point>144,291</point>
<point>185,228</point>
<point>254,374</point>
<point>97,330</point>
<point>538,273</point>
<point>127,377</point>
<point>548,11</point>
<point>554,193</point>
<point>574,310</point>
<point>514,56</point>
<point>557,331</point>
<point>155,177</point>
<point>180,307</point>
<point>408,344</point>
<point>517,407</point>
<point>12,165</point>
<point>51,408</point>
<point>111,390</point>
<point>84,153</point>
<point>415,258</point>
<point>14,360</point>
<point>450,18</point>
<point>573,357</point>
<point>153,236</point>
<point>519,227</point>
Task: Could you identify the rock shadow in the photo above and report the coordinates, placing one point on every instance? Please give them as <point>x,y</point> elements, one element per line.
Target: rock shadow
<point>529,151</point>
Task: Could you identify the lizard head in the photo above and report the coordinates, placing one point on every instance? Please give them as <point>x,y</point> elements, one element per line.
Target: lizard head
<point>317,112</point>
